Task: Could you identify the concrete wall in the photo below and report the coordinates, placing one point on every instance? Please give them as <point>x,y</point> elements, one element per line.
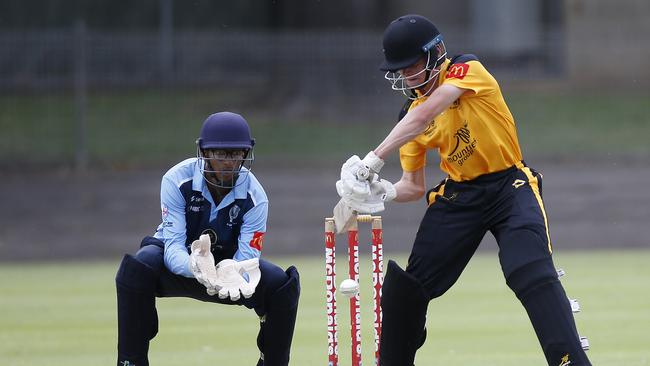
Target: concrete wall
<point>608,42</point>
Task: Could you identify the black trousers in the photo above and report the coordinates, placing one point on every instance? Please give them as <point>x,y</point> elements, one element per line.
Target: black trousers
<point>507,203</point>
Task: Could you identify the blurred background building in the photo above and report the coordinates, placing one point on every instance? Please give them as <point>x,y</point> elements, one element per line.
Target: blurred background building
<point>118,86</point>
<point>306,49</point>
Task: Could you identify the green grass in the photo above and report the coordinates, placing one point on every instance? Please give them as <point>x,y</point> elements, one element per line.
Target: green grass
<point>64,314</point>
<point>155,126</point>
<point>573,125</point>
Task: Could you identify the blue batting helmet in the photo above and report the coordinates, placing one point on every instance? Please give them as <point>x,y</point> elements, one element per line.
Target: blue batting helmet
<point>225,130</point>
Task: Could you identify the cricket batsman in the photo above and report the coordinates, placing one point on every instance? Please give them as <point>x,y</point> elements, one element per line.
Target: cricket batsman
<point>208,248</point>
<point>455,107</point>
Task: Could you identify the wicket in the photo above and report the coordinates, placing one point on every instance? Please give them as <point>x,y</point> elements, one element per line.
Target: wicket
<point>353,268</point>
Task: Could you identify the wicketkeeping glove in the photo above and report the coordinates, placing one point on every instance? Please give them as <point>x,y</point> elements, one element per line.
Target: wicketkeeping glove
<point>230,278</point>
<point>202,264</point>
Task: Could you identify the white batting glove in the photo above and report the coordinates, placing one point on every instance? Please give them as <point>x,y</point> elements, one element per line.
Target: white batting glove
<point>202,264</point>
<point>360,202</point>
<point>383,190</point>
<point>373,162</point>
<point>355,175</point>
<point>352,189</point>
<point>231,281</point>
<point>366,169</point>
<point>370,205</point>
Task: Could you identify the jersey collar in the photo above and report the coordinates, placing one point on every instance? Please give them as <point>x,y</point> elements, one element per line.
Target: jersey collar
<point>240,191</point>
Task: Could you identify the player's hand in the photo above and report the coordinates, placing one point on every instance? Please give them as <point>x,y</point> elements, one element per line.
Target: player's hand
<point>380,191</point>
<point>354,183</point>
<point>202,264</point>
<point>371,205</point>
<point>231,281</point>
<point>354,176</point>
<point>362,170</point>
<point>352,189</point>
<point>383,190</point>
<point>373,163</point>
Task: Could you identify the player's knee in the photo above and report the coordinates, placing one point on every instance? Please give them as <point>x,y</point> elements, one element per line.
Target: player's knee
<point>152,256</point>
<point>400,284</point>
<point>433,284</point>
<point>289,290</point>
<point>526,278</point>
<point>135,275</point>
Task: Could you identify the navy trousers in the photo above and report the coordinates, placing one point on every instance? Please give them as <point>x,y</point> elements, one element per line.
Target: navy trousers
<point>171,285</point>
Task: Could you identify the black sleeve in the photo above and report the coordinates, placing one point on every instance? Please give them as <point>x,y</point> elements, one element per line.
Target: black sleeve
<point>459,59</point>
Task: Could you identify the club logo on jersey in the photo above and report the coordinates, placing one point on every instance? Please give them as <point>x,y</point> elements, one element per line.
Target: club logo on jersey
<point>459,155</point>
<point>165,211</point>
<point>430,129</point>
<point>258,240</point>
<point>233,213</point>
<point>457,71</point>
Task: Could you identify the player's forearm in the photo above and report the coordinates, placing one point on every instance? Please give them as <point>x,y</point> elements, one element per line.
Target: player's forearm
<point>176,260</point>
<point>408,192</point>
<point>404,131</point>
<point>418,118</point>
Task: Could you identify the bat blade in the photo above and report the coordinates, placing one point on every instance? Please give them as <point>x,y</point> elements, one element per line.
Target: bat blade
<point>344,216</point>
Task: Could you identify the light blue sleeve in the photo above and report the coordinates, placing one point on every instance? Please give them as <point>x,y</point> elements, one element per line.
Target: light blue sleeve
<point>173,228</point>
<point>252,232</point>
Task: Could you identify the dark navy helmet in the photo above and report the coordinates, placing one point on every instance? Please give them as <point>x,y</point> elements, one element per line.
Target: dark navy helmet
<point>225,130</point>
<point>408,39</point>
<point>225,149</point>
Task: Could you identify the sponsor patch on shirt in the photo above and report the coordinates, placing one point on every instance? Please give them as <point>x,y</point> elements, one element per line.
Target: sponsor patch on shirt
<point>258,240</point>
<point>457,71</point>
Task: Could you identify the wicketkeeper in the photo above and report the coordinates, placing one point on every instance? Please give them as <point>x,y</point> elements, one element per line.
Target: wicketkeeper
<point>455,107</point>
<point>208,248</point>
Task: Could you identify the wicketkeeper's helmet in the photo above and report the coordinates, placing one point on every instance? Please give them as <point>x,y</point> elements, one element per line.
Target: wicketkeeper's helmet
<point>225,137</point>
<point>406,40</point>
<point>225,130</point>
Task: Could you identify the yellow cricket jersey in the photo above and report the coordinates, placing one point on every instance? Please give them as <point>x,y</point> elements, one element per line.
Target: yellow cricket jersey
<point>476,135</point>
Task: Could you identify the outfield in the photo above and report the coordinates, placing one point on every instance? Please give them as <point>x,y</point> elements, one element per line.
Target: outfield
<point>64,314</point>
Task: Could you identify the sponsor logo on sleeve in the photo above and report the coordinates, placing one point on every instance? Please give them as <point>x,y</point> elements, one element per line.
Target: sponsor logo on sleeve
<point>258,240</point>
<point>165,217</point>
<point>457,71</point>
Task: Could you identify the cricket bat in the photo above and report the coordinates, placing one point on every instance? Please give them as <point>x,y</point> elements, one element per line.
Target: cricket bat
<point>344,216</point>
